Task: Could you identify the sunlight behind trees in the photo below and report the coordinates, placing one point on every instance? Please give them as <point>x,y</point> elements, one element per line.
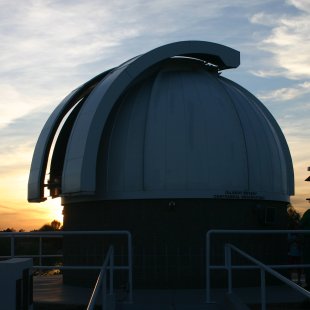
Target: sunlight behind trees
<point>55,209</point>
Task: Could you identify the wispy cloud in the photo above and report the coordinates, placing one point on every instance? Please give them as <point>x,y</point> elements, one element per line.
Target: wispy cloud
<point>296,130</point>
<point>50,47</point>
<point>302,5</point>
<point>285,37</point>
<point>7,209</point>
<point>67,33</point>
<point>289,40</point>
<point>44,43</point>
<point>264,19</point>
<point>286,93</point>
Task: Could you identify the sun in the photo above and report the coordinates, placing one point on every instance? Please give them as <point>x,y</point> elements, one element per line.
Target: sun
<point>55,209</point>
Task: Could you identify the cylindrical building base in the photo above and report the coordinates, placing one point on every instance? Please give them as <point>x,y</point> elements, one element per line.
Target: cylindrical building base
<point>169,238</point>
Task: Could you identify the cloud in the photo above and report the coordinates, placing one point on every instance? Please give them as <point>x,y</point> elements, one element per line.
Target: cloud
<point>264,19</point>
<point>286,93</point>
<point>288,40</point>
<point>6,208</point>
<point>42,45</point>
<point>302,5</point>
<point>300,154</point>
<point>41,31</point>
<point>50,47</point>
<point>297,132</point>
<point>17,103</point>
<point>266,73</point>
<point>18,139</point>
<point>63,34</point>
<point>21,133</point>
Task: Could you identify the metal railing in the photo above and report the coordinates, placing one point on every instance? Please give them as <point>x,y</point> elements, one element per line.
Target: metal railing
<point>263,269</point>
<point>210,267</point>
<point>60,234</point>
<point>101,283</point>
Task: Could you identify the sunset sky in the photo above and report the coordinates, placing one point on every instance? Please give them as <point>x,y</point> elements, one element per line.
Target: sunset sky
<point>48,48</point>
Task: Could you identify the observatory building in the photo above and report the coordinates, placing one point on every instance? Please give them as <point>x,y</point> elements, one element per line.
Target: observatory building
<point>166,147</point>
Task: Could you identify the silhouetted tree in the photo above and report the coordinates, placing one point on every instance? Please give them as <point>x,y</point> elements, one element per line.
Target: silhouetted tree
<point>56,225</point>
<point>293,214</point>
<point>53,226</point>
<point>9,230</point>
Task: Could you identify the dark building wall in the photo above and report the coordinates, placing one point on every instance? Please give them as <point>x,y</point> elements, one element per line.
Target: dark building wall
<point>169,237</point>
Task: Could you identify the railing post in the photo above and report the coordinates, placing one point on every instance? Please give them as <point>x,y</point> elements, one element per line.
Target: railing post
<point>228,267</point>
<point>12,246</point>
<point>40,251</point>
<point>111,269</point>
<point>130,266</point>
<point>104,293</point>
<point>263,288</point>
<point>208,267</point>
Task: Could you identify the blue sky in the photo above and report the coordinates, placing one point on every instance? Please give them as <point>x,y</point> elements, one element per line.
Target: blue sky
<point>48,48</point>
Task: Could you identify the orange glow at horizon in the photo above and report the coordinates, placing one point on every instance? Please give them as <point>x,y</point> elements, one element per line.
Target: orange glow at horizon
<point>15,211</point>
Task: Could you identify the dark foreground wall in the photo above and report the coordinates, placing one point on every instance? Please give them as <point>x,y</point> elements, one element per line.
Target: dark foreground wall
<point>169,237</point>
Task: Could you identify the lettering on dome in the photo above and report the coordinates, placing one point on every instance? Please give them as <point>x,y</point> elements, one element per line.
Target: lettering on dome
<point>239,195</point>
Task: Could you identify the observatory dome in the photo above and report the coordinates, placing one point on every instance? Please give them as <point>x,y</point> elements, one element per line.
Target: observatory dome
<point>165,124</point>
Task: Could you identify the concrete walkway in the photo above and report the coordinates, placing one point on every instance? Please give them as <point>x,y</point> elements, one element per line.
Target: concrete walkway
<point>50,290</point>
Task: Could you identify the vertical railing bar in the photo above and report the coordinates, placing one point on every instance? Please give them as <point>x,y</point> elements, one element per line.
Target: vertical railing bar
<point>12,246</point>
<point>263,288</point>
<point>208,270</point>
<point>130,266</point>
<point>40,251</point>
<point>104,293</point>
<point>111,270</point>
<point>228,266</point>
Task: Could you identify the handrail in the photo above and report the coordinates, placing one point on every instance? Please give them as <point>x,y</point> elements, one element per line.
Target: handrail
<point>61,234</point>
<point>102,282</point>
<point>263,269</point>
<point>241,231</point>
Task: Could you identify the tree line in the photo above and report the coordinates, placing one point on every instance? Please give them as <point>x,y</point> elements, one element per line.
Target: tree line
<point>24,246</point>
<point>53,226</point>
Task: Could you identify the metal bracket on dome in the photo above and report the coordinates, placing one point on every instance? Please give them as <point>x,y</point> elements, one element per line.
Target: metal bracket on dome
<point>79,172</point>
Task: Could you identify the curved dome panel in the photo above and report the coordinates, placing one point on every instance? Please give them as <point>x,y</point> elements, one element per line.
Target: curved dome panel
<point>187,132</point>
<point>165,125</point>
<point>78,175</point>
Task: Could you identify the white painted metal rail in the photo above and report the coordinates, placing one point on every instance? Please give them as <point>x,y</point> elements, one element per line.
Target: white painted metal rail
<point>228,232</point>
<point>60,234</point>
<point>101,283</point>
<point>263,269</point>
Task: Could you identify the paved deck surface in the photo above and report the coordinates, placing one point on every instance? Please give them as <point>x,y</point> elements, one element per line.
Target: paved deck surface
<point>50,290</point>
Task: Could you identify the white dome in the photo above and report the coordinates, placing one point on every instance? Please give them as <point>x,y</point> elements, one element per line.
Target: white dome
<point>168,128</point>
